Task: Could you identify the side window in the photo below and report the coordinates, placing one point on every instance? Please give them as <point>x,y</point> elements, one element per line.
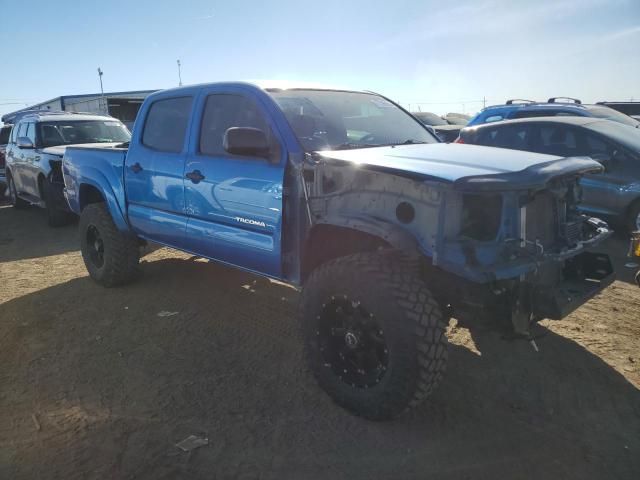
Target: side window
<point>558,140</point>
<point>14,134</point>
<point>223,111</point>
<point>22,130</point>
<point>597,146</point>
<point>166,124</point>
<point>515,137</point>
<point>31,132</point>
<point>493,118</point>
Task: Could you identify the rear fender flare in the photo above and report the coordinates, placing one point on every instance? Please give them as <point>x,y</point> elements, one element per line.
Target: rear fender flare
<point>100,183</point>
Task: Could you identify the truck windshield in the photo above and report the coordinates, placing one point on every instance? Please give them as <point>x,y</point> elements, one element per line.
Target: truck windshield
<point>74,132</point>
<point>338,120</point>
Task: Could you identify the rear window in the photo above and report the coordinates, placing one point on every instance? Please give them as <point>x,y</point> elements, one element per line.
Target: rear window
<point>166,124</point>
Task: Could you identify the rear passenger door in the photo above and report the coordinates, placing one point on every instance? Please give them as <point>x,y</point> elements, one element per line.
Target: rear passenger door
<point>234,202</point>
<point>154,170</point>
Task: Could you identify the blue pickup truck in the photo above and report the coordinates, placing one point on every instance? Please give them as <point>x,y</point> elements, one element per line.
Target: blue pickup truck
<point>344,194</point>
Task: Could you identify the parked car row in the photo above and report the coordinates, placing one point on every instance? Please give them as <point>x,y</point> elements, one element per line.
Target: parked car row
<point>446,128</point>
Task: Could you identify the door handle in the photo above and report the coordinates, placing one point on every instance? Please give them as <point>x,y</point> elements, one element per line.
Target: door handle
<point>136,168</point>
<point>195,176</point>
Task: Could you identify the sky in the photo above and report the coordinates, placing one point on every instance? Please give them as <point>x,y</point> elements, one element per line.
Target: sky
<point>429,55</point>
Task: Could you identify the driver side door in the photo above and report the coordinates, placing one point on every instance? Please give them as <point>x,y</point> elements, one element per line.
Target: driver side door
<point>234,202</point>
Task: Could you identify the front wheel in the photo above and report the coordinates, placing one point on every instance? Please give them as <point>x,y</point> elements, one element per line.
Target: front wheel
<point>110,255</point>
<point>374,335</point>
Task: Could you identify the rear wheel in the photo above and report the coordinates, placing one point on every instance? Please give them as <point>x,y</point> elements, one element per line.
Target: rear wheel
<point>110,255</point>
<point>374,334</point>
<point>16,201</point>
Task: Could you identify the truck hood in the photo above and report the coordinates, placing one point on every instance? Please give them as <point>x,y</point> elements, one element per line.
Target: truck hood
<point>470,167</point>
<point>60,149</point>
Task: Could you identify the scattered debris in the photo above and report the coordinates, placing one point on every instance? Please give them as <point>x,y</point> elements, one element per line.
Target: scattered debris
<point>35,421</point>
<point>192,442</point>
<point>164,313</point>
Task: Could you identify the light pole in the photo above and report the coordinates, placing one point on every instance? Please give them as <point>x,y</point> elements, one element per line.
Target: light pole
<point>179,74</point>
<point>100,72</point>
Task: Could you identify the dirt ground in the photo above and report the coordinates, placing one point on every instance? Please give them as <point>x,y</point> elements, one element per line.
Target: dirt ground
<point>102,383</point>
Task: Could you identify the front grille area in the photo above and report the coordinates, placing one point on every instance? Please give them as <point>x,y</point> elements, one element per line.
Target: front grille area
<point>572,231</point>
<point>542,219</point>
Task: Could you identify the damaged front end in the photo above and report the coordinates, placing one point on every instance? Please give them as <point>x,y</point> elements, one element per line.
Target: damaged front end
<point>511,245</point>
<point>524,240</point>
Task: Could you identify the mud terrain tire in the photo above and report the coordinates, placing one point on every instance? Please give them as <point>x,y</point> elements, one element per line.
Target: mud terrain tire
<point>381,292</point>
<point>112,257</point>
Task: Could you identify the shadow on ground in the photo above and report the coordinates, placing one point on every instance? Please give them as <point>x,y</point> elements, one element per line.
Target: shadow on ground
<point>19,239</point>
<point>95,384</point>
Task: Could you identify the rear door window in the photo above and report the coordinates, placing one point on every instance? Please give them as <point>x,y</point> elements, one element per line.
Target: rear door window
<point>166,125</point>
<point>558,139</point>
<point>596,145</point>
<point>515,137</point>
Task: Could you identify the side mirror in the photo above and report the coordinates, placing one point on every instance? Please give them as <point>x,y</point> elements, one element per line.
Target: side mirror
<point>24,142</point>
<point>247,141</point>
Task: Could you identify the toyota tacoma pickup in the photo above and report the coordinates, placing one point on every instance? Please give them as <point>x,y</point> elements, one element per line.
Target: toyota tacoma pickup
<point>344,194</point>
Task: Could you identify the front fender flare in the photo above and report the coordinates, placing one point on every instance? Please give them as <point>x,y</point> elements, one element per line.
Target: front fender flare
<point>391,233</point>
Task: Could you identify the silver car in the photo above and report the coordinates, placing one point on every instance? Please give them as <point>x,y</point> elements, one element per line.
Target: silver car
<point>34,156</point>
